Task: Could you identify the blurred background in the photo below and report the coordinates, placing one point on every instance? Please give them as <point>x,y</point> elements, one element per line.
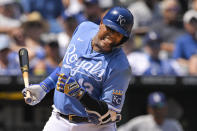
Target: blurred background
<point>162,52</point>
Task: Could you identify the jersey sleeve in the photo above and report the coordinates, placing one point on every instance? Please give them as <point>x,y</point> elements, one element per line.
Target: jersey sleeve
<point>115,87</point>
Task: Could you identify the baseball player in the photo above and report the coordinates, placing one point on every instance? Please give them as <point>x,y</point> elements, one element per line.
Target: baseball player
<point>156,119</point>
<point>91,82</point>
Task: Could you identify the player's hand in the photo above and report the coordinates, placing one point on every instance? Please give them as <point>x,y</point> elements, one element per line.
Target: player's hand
<point>70,86</point>
<point>37,93</point>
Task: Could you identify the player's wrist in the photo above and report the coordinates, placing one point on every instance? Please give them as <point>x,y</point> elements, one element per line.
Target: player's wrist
<point>50,82</point>
<point>45,87</point>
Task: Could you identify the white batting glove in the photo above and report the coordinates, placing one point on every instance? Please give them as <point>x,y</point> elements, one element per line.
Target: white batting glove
<point>37,93</point>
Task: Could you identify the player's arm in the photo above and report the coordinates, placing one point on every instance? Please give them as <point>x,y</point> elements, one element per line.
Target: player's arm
<point>50,82</point>
<point>97,110</point>
<point>38,91</point>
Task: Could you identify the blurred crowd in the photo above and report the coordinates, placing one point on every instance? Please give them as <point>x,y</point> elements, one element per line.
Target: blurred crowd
<point>163,41</point>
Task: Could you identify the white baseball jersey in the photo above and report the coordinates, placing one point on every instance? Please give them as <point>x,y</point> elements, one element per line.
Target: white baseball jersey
<point>147,123</point>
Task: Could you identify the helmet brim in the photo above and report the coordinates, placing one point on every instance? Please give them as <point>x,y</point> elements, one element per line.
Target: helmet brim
<point>115,27</point>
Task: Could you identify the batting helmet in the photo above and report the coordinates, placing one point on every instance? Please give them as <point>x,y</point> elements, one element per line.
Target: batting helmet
<point>119,19</point>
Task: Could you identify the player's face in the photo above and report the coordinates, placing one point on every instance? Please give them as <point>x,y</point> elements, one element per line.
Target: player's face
<point>107,38</point>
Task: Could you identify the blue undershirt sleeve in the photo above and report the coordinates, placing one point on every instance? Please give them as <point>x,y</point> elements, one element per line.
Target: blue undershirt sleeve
<point>50,82</point>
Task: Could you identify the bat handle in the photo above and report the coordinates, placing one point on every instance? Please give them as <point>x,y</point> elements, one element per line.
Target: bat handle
<point>28,98</point>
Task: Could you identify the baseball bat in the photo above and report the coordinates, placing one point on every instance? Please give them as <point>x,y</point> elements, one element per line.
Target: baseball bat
<point>24,65</point>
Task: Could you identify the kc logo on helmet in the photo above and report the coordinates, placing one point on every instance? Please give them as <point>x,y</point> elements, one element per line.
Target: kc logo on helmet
<point>121,20</point>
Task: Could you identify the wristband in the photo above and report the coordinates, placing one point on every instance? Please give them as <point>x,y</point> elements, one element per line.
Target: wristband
<point>50,82</point>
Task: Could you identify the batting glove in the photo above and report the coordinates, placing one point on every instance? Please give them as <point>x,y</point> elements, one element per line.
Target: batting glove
<point>70,86</point>
<point>37,93</point>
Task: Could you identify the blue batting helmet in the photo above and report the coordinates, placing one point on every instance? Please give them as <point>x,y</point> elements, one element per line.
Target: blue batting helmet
<point>119,19</point>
